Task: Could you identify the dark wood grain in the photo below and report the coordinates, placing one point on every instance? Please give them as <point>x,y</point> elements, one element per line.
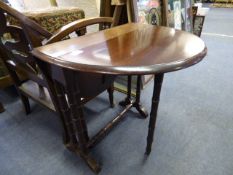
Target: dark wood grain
<point>128,49</point>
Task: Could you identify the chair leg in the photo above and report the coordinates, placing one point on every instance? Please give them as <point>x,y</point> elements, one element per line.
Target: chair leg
<point>26,104</point>
<point>1,108</point>
<point>41,92</point>
<point>81,32</point>
<point>110,93</point>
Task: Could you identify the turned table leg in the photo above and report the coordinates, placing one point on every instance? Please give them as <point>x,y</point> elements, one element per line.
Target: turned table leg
<point>158,80</point>
<point>137,104</point>
<point>128,98</point>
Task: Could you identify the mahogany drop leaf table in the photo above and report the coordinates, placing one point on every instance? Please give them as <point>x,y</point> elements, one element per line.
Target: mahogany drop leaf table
<point>130,49</point>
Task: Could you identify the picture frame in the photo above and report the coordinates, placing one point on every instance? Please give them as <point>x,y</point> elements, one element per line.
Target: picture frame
<point>198,25</point>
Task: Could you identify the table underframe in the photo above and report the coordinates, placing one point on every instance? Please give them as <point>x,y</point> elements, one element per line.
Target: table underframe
<point>76,137</point>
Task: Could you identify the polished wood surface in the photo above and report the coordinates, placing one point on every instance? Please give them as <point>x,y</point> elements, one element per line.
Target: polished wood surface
<point>128,49</point>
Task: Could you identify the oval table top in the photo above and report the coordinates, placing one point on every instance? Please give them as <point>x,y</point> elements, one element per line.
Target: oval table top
<point>132,48</point>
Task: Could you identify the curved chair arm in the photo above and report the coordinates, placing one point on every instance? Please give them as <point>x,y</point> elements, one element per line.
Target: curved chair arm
<point>76,25</point>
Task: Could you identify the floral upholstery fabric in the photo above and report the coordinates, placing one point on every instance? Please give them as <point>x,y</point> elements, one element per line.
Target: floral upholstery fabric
<point>54,18</point>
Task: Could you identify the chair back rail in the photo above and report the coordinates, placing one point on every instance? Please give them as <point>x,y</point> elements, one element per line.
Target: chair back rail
<point>16,50</point>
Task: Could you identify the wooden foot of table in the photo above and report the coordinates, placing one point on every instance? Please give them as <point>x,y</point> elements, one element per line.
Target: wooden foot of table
<point>158,80</point>
<point>142,111</point>
<point>88,159</point>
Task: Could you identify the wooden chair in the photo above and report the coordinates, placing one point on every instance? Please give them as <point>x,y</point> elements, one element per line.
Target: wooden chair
<point>15,46</point>
<point>48,14</point>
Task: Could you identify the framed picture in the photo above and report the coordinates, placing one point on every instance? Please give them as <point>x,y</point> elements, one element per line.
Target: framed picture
<point>198,25</point>
<point>180,14</point>
<point>149,11</point>
<point>177,15</point>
